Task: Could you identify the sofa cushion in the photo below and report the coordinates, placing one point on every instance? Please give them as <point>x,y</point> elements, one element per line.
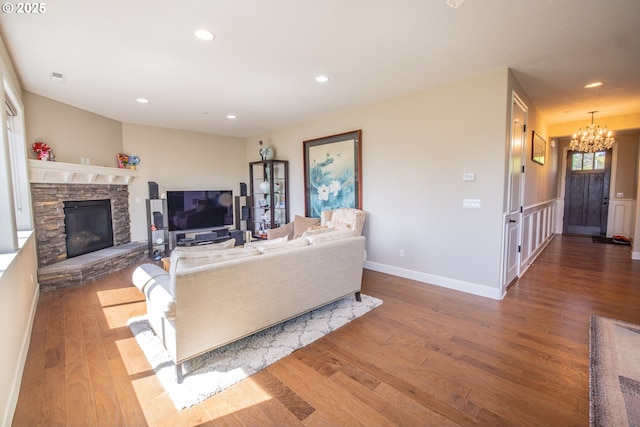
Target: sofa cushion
<point>329,236</point>
<point>275,245</point>
<point>190,261</point>
<point>295,243</point>
<point>318,229</point>
<point>183,262</point>
<point>302,224</point>
<point>258,244</point>
<point>227,244</point>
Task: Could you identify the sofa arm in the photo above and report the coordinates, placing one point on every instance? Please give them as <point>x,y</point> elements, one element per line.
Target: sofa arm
<point>155,283</point>
<point>144,274</point>
<point>159,298</point>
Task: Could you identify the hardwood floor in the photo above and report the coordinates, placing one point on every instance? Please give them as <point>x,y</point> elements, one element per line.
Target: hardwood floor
<point>427,356</point>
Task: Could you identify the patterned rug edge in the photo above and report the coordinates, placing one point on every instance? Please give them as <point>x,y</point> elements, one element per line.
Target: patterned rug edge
<point>221,368</point>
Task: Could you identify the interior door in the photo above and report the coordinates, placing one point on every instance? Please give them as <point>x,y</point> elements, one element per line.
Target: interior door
<point>586,200</point>
<point>513,217</point>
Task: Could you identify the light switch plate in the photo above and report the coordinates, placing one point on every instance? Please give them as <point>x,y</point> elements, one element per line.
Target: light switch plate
<point>468,176</point>
<point>471,203</point>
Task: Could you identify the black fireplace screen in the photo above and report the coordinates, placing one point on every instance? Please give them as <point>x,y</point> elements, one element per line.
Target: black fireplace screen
<point>88,226</point>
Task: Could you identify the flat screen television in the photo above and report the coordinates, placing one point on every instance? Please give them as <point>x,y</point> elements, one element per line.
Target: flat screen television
<point>191,210</point>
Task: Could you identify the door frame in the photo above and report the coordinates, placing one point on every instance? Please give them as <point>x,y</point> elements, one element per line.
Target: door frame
<point>515,99</point>
<point>563,184</point>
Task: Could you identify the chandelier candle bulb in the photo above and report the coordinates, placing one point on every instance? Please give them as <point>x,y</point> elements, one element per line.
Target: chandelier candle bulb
<point>593,138</point>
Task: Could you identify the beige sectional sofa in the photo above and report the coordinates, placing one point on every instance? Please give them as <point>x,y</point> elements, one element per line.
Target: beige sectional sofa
<point>213,296</point>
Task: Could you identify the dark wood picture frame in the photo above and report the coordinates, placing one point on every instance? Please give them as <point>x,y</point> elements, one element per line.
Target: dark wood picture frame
<point>333,172</point>
<point>538,148</point>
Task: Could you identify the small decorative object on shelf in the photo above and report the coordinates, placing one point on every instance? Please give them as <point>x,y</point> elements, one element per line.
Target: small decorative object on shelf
<point>43,150</point>
<point>266,152</point>
<point>126,161</point>
<point>264,187</point>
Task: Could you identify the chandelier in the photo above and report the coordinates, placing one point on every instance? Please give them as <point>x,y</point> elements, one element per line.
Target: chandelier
<point>593,138</point>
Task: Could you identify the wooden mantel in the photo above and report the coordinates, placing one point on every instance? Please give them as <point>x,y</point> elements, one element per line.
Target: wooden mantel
<point>41,171</point>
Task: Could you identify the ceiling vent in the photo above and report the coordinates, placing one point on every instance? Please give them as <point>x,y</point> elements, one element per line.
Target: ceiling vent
<point>56,77</point>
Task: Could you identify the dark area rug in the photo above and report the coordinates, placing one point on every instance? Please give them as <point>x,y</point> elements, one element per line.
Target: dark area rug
<point>614,372</point>
<point>611,240</point>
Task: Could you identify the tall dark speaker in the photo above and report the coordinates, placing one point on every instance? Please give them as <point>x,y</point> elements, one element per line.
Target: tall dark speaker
<point>243,189</point>
<point>157,220</point>
<point>153,190</point>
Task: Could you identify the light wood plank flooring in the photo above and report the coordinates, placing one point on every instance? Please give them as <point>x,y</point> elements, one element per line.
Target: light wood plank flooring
<point>427,356</point>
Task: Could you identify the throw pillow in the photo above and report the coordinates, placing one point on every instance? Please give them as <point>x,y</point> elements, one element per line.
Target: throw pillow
<point>301,224</point>
<point>285,230</point>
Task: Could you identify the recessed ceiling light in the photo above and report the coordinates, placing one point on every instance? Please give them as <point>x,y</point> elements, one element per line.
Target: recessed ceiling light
<point>454,3</point>
<point>231,116</point>
<point>204,35</point>
<point>594,84</point>
<point>142,100</point>
<point>322,79</point>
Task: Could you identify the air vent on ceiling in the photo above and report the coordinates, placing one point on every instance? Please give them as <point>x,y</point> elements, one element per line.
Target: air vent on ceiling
<point>56,77</point>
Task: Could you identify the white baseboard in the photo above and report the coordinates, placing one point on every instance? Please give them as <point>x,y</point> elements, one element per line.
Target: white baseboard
<point>635,255</point>
<point>444,282</point>
<point>10,407</point>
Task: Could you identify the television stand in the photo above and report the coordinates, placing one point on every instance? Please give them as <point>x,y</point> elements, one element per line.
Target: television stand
<point>205,236</point>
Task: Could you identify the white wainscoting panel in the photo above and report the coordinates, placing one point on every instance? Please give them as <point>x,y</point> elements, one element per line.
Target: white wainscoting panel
<point>622,213</point>
<point>538,222</point>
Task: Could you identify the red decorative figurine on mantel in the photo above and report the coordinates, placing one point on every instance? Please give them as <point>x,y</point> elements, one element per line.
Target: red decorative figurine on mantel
<point>43,150</point>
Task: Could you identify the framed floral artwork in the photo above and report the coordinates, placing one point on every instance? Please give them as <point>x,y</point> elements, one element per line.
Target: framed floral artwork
<point>333,173</point>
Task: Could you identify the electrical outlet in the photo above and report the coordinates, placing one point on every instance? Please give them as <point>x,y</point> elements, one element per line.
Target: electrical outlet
<point>468,176</point>
<point>401,253</point>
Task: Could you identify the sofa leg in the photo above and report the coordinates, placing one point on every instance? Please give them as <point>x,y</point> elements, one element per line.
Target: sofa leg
<point>358,297</point>
<point>179,374</point>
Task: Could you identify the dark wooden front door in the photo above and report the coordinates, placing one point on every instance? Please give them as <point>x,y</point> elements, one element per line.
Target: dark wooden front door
<point>586,201</point>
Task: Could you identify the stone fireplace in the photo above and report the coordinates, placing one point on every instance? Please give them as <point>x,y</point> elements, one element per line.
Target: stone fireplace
<point>58,187</point>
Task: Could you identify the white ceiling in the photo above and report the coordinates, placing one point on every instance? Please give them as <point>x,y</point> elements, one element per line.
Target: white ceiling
<point>262,64</point>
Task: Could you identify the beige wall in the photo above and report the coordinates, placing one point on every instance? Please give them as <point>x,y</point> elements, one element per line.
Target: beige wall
<point>626,171</point>
<point>180,160</point>
<point>616,123</point>
<point>540,180</point>
<point>415,150</point>
<point>71,132</point>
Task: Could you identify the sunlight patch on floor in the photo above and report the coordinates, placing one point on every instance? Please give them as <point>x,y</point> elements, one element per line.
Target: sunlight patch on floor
<point>117,316</point>
<point>119,296</point>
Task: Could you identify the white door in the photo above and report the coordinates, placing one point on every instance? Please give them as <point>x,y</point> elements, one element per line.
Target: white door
<point>513,216</point>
